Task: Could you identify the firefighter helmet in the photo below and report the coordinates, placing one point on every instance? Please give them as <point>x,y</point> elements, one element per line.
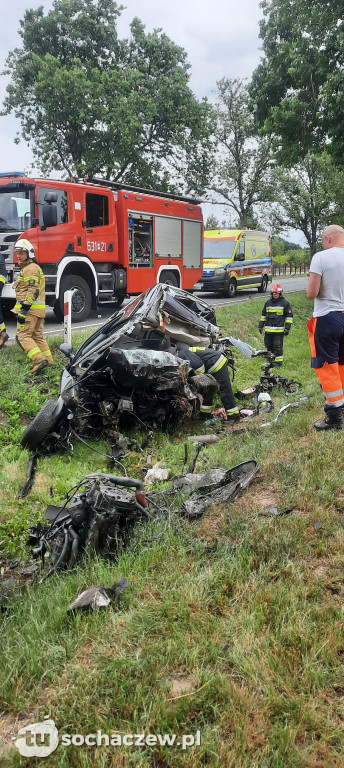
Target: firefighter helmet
<point>26,246</point>
<point>277,289</point>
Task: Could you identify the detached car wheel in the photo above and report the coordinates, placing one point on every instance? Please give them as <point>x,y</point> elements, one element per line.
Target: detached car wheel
<point>40,426</point>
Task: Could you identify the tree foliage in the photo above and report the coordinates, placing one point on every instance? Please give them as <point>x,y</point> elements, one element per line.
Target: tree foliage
<point>90,103</point>
<point>298,88</point>
<point>307,195</point>
<point>244,169</point>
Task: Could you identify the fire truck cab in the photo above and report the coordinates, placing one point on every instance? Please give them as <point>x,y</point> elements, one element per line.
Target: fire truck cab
<point>104,240</point>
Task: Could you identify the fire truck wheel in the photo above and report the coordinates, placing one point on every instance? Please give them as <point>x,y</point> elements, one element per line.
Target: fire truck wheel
<point>168,278</point>
<point>264,284</point>
<point>40,426</point>
<point>118,301</point>
<point>81,301</point>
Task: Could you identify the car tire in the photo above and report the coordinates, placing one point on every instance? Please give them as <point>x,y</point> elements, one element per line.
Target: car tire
<point>264,284</point>
<point>40,426</point>
<point>231,289</point>
<point>169,278</point>
<point>81,300</point>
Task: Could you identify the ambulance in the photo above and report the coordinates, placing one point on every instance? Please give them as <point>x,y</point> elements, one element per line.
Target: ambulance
<point>236,260</point>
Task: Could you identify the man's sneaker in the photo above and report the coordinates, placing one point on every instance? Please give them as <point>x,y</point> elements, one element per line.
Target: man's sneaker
<point>3,338</point>
<point>39,366</point>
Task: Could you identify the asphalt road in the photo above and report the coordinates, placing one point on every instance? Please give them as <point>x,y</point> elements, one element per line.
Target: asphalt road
<point>289,285</point>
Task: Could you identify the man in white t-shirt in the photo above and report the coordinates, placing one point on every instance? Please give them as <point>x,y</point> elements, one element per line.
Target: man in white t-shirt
<point>326,328</point>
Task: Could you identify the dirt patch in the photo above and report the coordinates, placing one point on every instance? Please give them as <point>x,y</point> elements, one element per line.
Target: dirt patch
<point>180,686</point>
<point>212,524</point>
<point>25,419</point>
<point>3,418</point>
<point>11,471</point>
<point>257,496</point>
<point>42,482</point>
<point>9,727</point>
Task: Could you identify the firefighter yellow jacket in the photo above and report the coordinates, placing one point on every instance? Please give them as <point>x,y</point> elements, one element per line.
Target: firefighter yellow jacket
<point>30,289</point>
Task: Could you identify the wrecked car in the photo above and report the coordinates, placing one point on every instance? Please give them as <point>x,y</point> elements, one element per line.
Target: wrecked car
<point>97,519</point>
<point>128,372</point>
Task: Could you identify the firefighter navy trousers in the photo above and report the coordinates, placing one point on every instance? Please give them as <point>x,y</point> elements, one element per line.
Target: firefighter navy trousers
<point>326,338</point>
<point>207,360</point>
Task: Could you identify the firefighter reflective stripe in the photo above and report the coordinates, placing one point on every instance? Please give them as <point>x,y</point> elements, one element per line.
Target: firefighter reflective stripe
<point>289,320</point>
<point>206,408</point>
<point>263,319</point>
<point>200,370</point>
<point>273,329</point>
<point>331,379</point>
<point>279,359</point>
<point>218,365</point>
<point>231,411</point>
<point>47,353</point>
<point>33,304</point>
<point>197,349</point>
<point>2,279</point>
<point>275,310</point>
<point>33,352</point>
<point>2,327</point>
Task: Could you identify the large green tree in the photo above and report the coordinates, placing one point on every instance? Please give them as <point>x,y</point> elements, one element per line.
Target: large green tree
<point>244,167</point>
<point>311,197</point>
<point>90,103</point>
<point>298,88</point>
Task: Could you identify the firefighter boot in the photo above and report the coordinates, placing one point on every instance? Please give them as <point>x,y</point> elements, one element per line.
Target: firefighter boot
<point>39,366</point>
<point>3,338</point>
<point>333,420</point>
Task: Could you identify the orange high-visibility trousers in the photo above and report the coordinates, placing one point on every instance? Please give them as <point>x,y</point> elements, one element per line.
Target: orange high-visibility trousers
<point>326,338</point>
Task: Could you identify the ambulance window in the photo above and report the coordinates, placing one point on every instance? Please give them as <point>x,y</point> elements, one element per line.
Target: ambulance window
<point>240,249</point>
<point>97,210</point>
<point>60,203</point>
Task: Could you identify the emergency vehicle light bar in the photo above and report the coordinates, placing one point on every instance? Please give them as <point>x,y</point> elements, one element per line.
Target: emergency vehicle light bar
<point>154,192</point>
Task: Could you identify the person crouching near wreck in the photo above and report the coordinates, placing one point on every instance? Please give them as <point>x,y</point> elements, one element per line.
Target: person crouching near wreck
<point>30,307</point>
<point>208,360</point>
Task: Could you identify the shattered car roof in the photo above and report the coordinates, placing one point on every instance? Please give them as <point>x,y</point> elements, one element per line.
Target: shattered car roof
<point>172,311</point>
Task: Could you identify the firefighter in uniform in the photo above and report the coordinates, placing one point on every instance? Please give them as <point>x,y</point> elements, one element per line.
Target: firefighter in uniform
<point>207,360</point>
<point>3,276</point>
<point>276,319</point>
<point>30,307</point>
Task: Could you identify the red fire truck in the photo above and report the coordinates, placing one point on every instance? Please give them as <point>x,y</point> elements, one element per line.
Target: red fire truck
<point>103,239</point>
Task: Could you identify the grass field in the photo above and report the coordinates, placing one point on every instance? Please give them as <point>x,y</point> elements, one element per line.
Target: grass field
<point>232,626</point>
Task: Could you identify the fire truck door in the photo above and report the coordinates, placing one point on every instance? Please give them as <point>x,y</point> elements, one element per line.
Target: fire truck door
<point>55,230</point>
<point>100,231</point>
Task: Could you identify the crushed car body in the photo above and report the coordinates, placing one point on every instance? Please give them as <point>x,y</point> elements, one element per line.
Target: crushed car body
<point>128,372</point>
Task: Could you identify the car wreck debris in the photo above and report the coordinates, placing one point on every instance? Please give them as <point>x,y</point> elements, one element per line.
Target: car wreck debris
<point>99,597</point>
<point>217,486</point>
<point>128,373</point>
<point>97,519</point>
<point>283,410</point>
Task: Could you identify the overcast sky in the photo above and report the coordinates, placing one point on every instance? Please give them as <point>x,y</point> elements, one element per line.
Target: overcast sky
<point>221,38</point>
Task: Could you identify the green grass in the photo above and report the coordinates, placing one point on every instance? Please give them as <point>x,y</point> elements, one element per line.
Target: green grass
<point>232,624</point>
